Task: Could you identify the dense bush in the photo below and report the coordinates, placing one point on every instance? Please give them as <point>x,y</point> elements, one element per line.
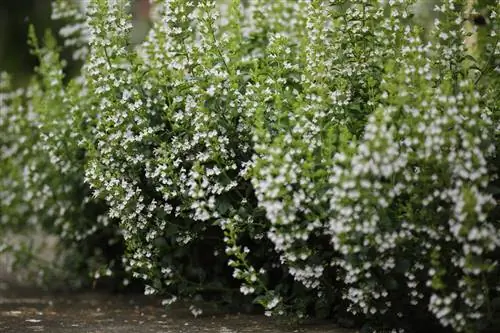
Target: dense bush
<point>314,155</point>
<point>42,186</point>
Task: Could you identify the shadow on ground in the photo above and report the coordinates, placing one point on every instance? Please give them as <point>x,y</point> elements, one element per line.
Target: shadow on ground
<point>30,310</point>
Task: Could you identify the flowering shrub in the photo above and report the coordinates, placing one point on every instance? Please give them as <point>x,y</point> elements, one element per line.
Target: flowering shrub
<point>316,155</point>
<point>42,186</point>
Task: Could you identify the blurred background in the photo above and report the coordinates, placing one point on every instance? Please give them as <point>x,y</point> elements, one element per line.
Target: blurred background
<point>17,15</point>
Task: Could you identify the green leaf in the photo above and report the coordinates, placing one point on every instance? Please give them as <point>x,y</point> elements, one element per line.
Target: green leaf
<point>223,206</point>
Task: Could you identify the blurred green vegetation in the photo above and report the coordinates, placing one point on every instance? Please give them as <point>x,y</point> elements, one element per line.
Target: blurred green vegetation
<point>15,18</point>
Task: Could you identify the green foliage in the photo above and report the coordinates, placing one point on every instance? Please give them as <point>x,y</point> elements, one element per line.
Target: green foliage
<point>42,187</point>
<point>312,155</point>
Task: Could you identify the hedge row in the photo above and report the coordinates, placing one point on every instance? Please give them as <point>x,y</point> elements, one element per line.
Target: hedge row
<point>310,156</point>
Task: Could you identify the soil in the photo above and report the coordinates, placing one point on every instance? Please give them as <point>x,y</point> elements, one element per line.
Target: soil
<point>30,310</point>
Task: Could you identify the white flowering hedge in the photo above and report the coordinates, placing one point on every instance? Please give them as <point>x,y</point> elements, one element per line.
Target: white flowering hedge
<point>318,156</point>
<point>41,187</point>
